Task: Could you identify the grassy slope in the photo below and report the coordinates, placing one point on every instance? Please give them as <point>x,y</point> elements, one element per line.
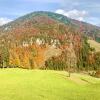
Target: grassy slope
<point>95,45</point>
<point>20,84</point>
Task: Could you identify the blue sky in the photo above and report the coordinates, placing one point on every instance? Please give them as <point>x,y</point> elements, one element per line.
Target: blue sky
<point>84,10</point>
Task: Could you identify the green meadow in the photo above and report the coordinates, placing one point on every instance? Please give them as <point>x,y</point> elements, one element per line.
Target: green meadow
<point>22,84</point>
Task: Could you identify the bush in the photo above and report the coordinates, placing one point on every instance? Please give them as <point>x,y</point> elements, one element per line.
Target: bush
<point>97,74</point>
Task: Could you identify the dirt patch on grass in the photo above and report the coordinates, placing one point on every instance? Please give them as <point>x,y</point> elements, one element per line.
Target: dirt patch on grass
<point>77,80</point>
<point>74,77</point>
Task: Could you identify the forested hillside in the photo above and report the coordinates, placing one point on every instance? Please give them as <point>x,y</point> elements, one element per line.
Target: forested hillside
<point>48,40</point>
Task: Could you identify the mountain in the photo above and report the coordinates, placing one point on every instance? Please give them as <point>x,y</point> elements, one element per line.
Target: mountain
<point>42,20</point>
<point>47,40</point>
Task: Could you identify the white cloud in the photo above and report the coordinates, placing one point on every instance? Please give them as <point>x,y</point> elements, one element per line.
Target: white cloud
<point>4,21</point>
<point>75,14</point>
<point>60,11</point>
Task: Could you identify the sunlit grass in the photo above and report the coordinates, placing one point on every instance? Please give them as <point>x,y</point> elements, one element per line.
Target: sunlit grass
<point>22,84</point>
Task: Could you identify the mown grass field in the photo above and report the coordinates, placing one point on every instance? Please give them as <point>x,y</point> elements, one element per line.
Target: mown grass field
<point>95,45</point>
<point>22,84</point>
